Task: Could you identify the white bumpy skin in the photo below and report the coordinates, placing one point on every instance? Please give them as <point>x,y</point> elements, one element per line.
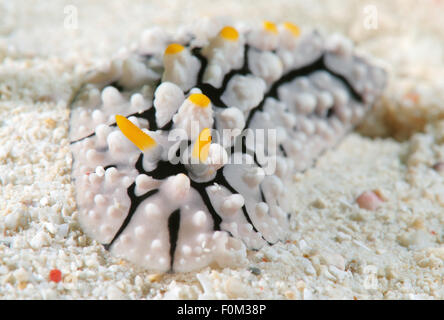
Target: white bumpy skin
<point>136,191</point>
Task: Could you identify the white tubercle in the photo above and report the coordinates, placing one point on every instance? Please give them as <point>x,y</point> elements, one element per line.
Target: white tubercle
<point>254,176</point>
<point>224,52</point>
<point>232,118</point>
<point>176,187</point>
<point>138,102</point>
<point>181,67</point>
<point>205,171</point>
<point>265,38</point>
<point>118,144</point>
<point>111,97</point>
<point>232,204</point>
<point>230,122</point>
<point>261,210</point>
<point>195,114</point>
<point>305,103</point>
<point>306,125</point>
<point>168,97</point>
<point>144,184</point>
<point>325,102</point>
<point>244,92</point>
<point>217,156</point>
<point>339,44</point>
<point>289,35</point>
<point>281,168</point>
<point>273,186</point>
<point>102,131</point>
<point>266,65</point>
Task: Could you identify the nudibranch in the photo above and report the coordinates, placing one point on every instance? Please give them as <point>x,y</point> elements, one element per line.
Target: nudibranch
<point>184,148</point>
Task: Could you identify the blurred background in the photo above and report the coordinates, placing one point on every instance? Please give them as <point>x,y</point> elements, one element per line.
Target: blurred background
<point>45,26</point>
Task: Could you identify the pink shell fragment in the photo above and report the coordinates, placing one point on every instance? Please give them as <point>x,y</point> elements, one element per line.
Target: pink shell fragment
<point>369,200</point>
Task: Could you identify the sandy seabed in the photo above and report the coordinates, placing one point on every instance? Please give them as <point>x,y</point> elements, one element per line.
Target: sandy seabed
<point>336,249</point>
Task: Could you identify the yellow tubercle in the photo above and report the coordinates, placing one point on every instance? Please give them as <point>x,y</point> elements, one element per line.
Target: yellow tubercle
<point>134,134</point>
<point>202,145</point>
<point>174,48</point>
<point>229,33</point>
<point>294,29</point>
<point>270,27</point>
<point>200,100</point>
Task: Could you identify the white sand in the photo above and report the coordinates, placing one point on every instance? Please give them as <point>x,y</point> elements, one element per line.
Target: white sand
<point>336,250</point>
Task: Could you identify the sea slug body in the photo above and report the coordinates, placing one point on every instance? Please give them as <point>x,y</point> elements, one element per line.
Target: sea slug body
<point>184,150</point>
